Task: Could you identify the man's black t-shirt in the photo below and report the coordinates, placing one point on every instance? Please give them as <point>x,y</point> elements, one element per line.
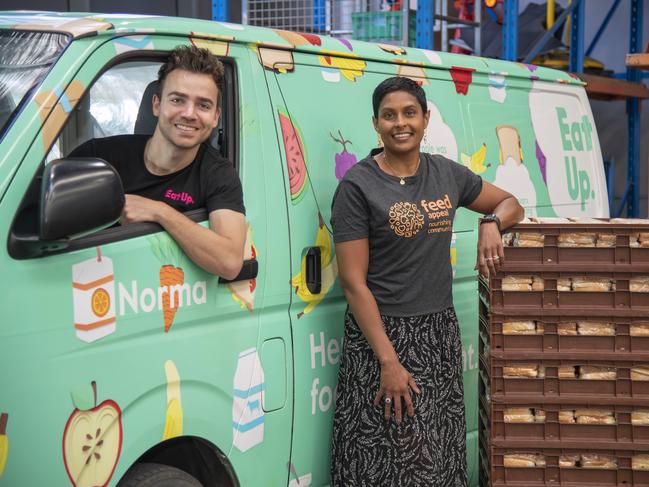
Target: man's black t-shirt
<point>209,181</point>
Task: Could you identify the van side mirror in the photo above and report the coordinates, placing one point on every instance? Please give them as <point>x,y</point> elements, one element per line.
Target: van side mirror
<point>76,197</point>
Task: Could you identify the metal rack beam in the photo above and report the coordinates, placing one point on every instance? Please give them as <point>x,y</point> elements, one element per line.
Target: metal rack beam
<point>577,24</point>
<point>425,24</point>
<point>510,31</point>
<point>320,15</point>
<point>602,27</point>
<point>633,112</point>
<point>221,10</point>
<point>426,18</point>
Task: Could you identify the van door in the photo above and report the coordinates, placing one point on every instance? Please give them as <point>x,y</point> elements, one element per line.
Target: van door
<point>323,109</point>
<point>213,365</point>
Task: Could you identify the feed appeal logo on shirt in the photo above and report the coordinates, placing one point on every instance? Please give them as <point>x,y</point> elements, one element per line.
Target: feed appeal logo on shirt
<point>406,220</point>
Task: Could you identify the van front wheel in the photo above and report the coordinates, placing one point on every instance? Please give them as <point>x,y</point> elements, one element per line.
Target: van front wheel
<point>157,475</point>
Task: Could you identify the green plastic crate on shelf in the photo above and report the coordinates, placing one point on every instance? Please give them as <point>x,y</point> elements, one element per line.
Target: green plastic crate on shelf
<point>383,27</point>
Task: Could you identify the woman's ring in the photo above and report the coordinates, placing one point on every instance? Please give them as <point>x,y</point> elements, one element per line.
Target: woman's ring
<point>489,258</point>
<point>495,257</point>
<point>388,400</point>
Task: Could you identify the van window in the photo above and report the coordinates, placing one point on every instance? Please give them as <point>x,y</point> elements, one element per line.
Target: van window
<point>110,107</point>
<point>119,102</point>
<point>25,58</point>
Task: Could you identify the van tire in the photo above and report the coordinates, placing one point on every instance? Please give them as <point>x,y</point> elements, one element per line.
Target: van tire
<point>157,475</point>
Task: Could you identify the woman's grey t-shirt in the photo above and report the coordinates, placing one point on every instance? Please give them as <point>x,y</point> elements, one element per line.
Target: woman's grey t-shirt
<point>409,229</point>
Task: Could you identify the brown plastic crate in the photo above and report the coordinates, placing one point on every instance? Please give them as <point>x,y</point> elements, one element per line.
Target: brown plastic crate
<point>552,474</point>
<point>553,345</point>
<point>551,430</point>
<point>551,386</point>
<point>623,255</point>
<point>550,299</point>
<point>484,467</point>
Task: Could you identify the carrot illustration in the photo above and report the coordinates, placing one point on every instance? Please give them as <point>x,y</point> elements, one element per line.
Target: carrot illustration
<point>243,292</point>
<point>170,276</point>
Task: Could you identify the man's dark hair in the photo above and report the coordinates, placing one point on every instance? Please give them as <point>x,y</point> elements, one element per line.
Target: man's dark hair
<point>398,83</point>
<point>195,60</point>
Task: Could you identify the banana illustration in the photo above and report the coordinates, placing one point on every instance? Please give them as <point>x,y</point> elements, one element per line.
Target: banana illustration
<point>4,441</point>
<point>475,161</point>
<point>328,274</point>
<point>174,417</point>
<point>349,67</point>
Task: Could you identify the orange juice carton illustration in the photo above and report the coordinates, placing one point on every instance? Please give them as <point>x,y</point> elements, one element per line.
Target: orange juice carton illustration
<point>93,292</point>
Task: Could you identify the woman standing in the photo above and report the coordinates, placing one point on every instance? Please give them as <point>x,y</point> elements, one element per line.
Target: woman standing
<point>399,418</point>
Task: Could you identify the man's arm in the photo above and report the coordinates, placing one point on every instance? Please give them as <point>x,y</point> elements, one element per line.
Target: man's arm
<point>217,250</point>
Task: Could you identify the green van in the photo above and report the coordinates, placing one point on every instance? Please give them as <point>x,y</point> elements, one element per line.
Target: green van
<point>122,360</point>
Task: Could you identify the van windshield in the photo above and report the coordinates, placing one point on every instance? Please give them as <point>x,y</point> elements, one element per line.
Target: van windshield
<point>25,58</point>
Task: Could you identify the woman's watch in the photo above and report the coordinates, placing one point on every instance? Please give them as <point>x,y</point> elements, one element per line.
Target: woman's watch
<point>489,219</point>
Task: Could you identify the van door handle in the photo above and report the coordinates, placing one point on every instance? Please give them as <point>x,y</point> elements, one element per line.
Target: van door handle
<point>313,266</point>
<point>249,270</point>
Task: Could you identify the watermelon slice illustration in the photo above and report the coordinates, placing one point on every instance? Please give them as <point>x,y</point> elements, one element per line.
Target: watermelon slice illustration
<point>295,156</point>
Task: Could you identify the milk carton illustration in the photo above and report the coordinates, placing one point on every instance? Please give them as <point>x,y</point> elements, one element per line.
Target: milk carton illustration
<point>303,481</point>
<point>247,412</point>
<point>93,297</point>
<point>497,87</point>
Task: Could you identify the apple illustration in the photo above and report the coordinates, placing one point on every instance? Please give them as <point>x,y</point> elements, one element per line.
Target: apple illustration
<point>92,441</point>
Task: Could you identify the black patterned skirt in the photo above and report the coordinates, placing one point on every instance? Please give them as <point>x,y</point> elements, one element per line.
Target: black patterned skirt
<point>428,449</point>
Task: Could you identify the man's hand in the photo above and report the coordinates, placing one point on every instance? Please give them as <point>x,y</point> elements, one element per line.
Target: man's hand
<point>141,209</point>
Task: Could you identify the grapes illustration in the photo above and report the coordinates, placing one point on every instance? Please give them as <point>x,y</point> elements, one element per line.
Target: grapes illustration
<point>344,160</point>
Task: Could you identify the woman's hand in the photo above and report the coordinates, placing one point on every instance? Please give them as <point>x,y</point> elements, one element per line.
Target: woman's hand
<point>494,200</point>
<point>491,255</point>
<point>396,383</point>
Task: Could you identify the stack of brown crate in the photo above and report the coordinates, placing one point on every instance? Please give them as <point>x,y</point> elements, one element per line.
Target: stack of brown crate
<point>564,357</point>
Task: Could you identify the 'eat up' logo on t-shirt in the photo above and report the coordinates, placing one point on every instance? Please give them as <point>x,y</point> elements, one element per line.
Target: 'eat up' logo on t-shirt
<point>180,196</point>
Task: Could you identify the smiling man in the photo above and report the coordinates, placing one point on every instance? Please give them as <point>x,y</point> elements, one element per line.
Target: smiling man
<point>174,170</point>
